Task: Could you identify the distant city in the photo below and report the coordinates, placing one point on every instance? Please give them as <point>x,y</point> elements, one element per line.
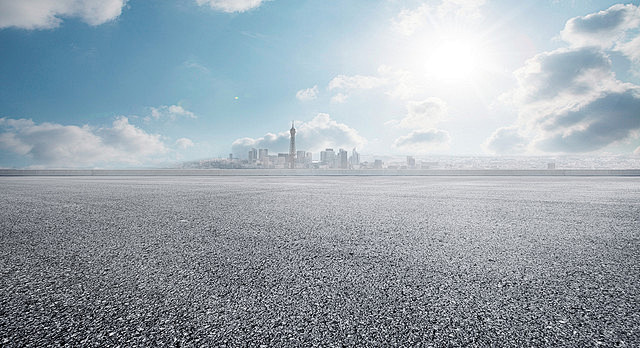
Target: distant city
<point>330,159</point>
<point>428,162</point>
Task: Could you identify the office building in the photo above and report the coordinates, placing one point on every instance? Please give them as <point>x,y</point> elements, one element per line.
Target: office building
<point>411,162</point>
<point>263,155</point>
<point>341,161</point>
<point>253,155</point>
<point>355,158</point>
<point>328,157</point>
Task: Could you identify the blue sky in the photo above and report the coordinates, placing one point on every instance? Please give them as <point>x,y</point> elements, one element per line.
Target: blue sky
<point>115,83</point>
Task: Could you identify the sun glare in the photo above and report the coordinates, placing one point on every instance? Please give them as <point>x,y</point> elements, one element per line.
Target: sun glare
<point>455,59</point>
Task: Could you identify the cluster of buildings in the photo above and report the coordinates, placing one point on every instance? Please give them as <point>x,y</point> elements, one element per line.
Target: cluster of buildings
<point>329,159</point>
<point>409,162</point>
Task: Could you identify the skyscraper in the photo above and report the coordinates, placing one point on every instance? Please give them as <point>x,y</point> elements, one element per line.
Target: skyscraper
<point>411,162</point>
<point>328,157</point>
<point>300,157</point>
<point>263,155</point>
<point>253,155</point>
<point>355,157</point>
<point>342,162</point>
<point>292,147</point>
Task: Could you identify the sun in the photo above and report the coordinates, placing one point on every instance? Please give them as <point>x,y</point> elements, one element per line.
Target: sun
<point>456,59</point>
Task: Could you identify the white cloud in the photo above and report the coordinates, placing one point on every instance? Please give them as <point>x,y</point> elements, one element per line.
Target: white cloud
<point>637,151</point>
<point>507,140</point>
<point>339,98</point>
<point>423,114</point>
<point>348,83</point>
<point>409,21</point>
<point>572,102</point>
<point>308,93</point>
<point>231,6</point>
<point>467,9</point>
<point>603,29</point>
<point>73,146</point>
<point>563,79</point>
<point>195,65</point>
<point>423,141</point>
<point>47,14</point>
<point>631,49</point>
<point>171,112</point>
<point>10,141</point>
<point>316,135</point>
<point>609,119</point>
<point>130,139</point>
<point>401,83</point>
<point>184,143</point>
<point>615,28</point>
<point>569,99</point>
<point>15,124</point>
<point>397,83</point>
<point>356,82</point>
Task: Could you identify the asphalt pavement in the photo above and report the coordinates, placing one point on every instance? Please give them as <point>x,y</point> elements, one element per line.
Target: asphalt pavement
<point>309,261</point>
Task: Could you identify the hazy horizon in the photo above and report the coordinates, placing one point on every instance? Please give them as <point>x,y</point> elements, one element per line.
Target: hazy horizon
<point>460,162</point>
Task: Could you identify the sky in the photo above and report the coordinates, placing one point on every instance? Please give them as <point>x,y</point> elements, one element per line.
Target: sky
<point>119,84</point>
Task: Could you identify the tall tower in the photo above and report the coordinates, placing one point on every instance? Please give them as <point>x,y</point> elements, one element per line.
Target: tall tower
<point>292,147</point>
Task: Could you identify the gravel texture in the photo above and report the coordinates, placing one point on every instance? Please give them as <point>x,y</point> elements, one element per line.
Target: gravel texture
<point>316,261</point>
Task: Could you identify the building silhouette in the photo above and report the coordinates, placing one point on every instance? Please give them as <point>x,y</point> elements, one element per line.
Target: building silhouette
<point>282,159</point>
<point>263,155</point>
<point>355,158</point>
<point>342,161</point>
<point>253,155</point>
<point>411,162</point>
<point>301,159</point>
<point>328,157</point>
<point>292,147</point>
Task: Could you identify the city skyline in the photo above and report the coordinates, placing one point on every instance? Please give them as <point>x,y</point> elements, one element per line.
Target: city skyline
<point>329,159</point>
<point>122,84</point>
